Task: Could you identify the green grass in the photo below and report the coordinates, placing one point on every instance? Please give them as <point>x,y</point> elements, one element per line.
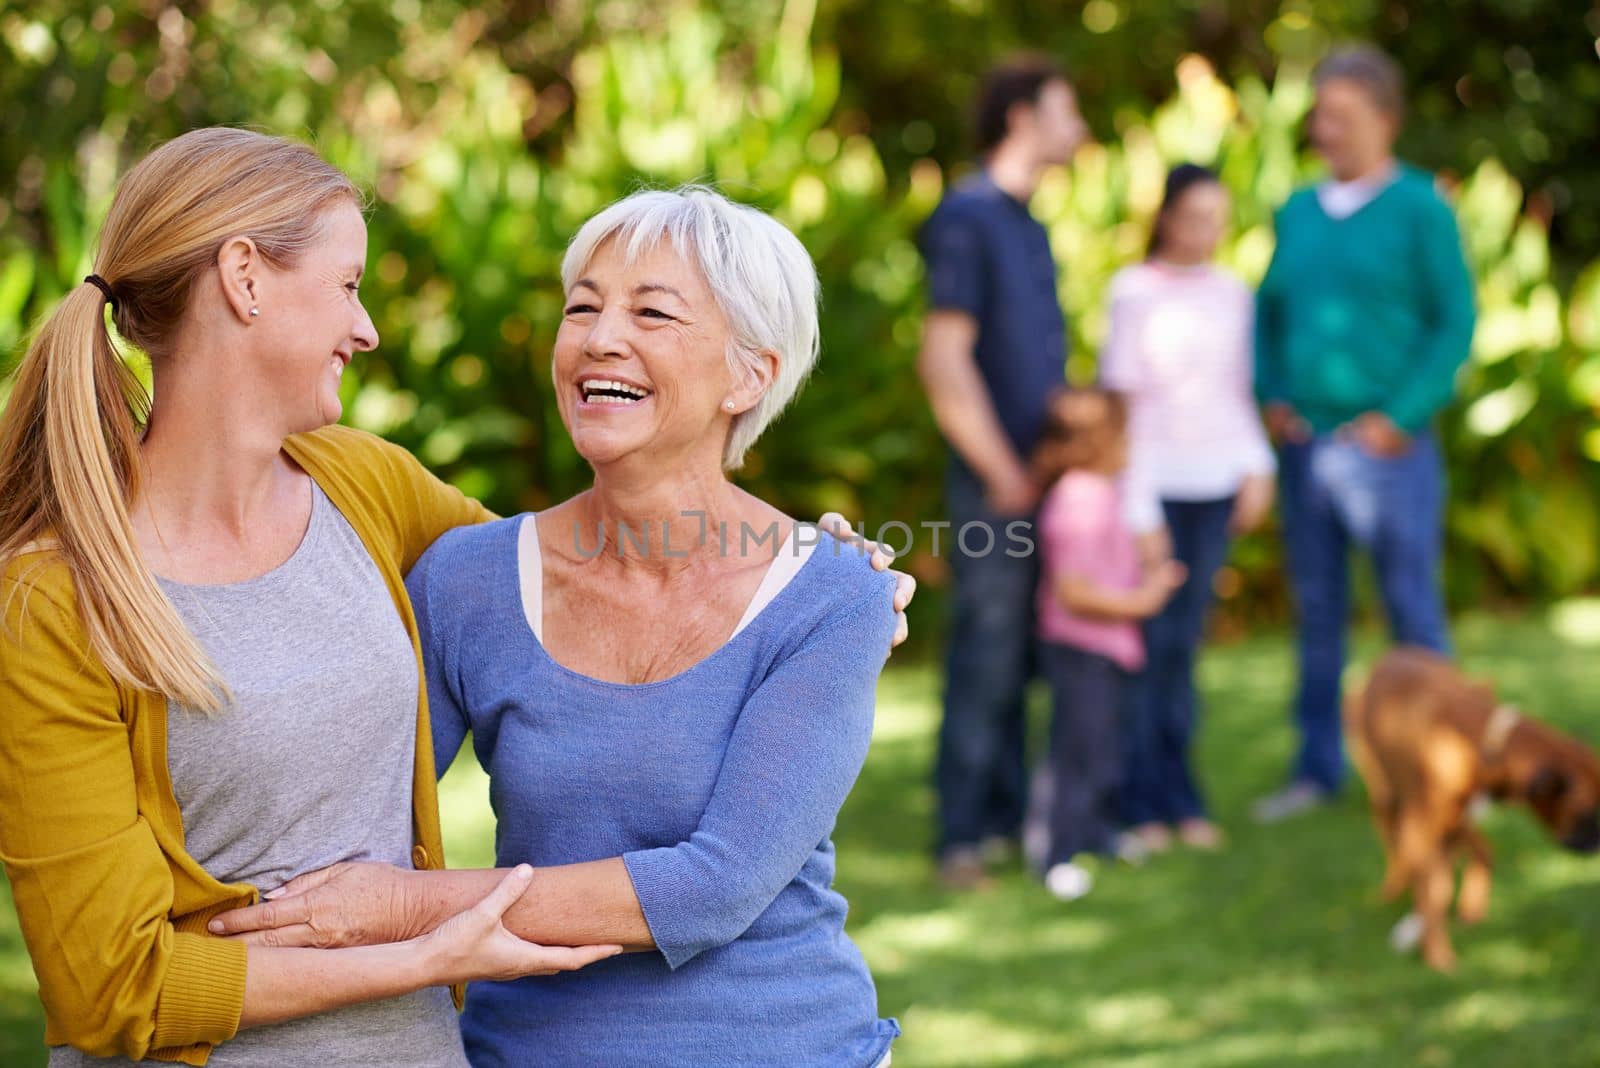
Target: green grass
<point>1271,953</point>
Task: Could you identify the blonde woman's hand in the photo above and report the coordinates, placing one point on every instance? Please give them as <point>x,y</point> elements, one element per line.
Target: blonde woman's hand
<point>905,587</point>
<point>475,944</point>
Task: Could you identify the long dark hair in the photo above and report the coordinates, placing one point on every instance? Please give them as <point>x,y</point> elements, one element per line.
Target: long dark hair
<point>1181,179</point>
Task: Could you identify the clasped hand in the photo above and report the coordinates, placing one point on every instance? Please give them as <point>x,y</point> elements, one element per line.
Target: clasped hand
<point>363,903</point>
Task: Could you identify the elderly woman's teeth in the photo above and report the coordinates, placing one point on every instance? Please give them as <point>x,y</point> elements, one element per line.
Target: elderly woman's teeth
<point>607,391</point>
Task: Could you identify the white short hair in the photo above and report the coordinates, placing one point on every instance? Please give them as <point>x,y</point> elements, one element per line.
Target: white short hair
<point>759,273</point>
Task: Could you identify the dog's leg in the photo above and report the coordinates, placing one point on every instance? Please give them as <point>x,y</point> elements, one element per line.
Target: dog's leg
<point>1396,877</point>
<point>1380,797</point>
<point>1412,842</point>
<point>1433,894</point>
<point>1428,861</point>
<point>1472,901</point>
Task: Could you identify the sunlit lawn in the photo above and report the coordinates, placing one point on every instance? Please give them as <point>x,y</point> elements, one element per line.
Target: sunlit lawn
<point>1271,953</point>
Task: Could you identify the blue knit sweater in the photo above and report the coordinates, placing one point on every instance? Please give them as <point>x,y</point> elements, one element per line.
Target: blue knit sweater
<point>718,787</point>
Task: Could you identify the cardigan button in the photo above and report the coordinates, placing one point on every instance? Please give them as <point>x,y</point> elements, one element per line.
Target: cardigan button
<point>419,858</point>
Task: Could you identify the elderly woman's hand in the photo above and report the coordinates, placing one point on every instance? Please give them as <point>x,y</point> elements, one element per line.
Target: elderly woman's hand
<point>349,904</point>
<point>905,586</point>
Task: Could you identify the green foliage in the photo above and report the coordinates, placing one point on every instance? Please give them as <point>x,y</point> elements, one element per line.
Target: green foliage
<point>488,133</point>
<point>1514,80</point>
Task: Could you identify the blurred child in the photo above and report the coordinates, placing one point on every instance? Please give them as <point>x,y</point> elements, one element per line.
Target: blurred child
<point>1092,595</point>
<point>1179,348</point>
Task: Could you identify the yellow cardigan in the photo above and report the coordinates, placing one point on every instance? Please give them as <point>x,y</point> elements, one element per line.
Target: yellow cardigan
<point>112,908</point>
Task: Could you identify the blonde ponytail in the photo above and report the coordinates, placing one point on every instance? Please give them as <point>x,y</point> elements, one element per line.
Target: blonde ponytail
<point>69,435</point>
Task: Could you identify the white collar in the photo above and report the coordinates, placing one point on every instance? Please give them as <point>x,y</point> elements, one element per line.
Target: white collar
<point>1340,200</point>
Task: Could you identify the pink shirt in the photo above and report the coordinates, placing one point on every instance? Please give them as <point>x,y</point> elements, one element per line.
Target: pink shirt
<point>1180,346</point>
<point>1083,533</point>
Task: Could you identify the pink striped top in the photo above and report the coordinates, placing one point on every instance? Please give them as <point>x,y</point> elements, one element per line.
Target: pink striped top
<point>1083,534</point>
<point>1180,347</point>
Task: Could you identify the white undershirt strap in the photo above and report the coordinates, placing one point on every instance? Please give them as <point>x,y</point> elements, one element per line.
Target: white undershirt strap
<point>530,573</point>
<point>791,557</point>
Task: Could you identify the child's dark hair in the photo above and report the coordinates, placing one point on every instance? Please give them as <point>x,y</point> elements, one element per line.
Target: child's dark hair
<point>1080,425</point>
<point>1181,179</point>
<point>1019,80</point>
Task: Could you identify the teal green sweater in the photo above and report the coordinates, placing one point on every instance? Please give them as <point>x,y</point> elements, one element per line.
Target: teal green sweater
<point>1373,312</point>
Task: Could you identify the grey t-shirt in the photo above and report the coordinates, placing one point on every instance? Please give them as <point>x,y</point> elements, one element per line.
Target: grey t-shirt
<point>309,764</point>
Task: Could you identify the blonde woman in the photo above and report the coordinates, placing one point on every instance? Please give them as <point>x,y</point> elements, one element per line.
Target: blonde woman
<point>209,670</point>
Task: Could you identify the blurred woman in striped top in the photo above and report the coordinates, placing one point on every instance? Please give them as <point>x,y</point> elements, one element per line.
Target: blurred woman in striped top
<point>1179,348</point>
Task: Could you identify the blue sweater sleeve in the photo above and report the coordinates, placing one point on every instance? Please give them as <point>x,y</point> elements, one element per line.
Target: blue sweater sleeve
<point>1449,314</point>
<point>791,760</point>
<point>445,714</point>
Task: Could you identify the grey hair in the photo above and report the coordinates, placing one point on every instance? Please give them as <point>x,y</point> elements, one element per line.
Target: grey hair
<point>1372,69</point>
<point>759,273</point>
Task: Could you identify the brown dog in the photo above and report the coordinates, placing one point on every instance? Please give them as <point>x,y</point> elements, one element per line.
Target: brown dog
<point>1428,742</point>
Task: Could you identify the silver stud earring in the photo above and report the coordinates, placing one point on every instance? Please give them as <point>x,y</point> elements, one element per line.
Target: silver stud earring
<point>254,312</point>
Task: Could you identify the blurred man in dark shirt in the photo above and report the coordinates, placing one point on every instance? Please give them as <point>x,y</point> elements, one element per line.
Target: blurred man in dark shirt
<point>993,351</point>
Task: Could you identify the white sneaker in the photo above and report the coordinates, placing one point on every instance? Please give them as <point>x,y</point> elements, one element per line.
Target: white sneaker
<point>1068,881</point>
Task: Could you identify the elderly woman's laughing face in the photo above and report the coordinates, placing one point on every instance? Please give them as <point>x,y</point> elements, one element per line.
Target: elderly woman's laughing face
<point>641,361</point>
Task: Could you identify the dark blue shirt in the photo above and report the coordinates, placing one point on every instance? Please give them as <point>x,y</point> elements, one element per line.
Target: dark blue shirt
<point>988,257</point>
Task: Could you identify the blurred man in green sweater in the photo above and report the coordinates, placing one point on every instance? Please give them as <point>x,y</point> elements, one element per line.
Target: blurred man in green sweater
<point>1363,318</point>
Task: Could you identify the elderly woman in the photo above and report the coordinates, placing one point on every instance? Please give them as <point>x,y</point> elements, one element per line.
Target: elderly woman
<point>669,682</point>
<point>210,676</point>
<point>1364,315</point>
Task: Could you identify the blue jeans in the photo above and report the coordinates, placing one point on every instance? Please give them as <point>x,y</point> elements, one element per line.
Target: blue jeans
<point>1158,783</point>
<point>1088,694</point>
<point>981,775</point>
<point>1334,493</point>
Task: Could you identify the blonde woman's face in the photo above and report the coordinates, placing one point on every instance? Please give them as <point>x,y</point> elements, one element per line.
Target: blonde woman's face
<point>312,321</point>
